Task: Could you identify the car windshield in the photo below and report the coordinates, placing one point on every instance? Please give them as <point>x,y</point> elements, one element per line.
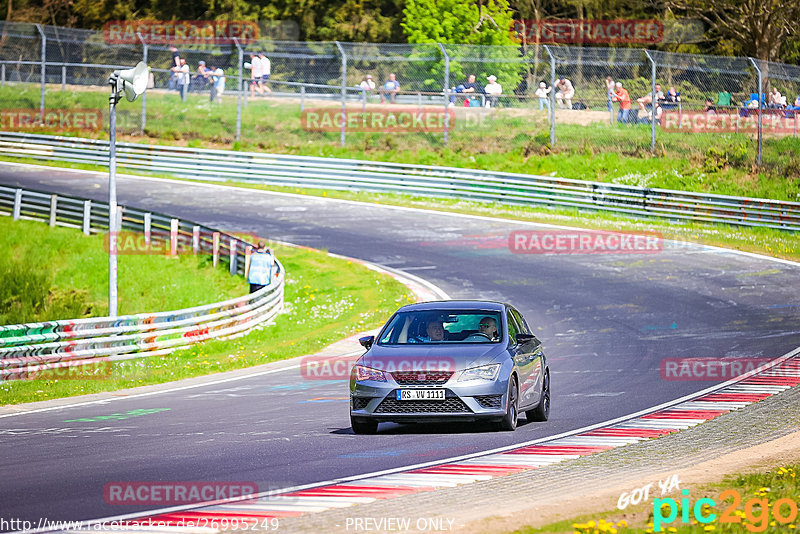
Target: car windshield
<point>443,326</point>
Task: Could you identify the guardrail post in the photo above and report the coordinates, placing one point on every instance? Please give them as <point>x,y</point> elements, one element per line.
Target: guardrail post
<point>233,243</point>
<point>239,90</point>
<point>63,77</point>
<point>87,217</point>
<point>552,96</point>
<point>17,204</point>
<point>53,208</point>
<point>173,237</point>
<point>446,57</point>
<point>760,104</point>
<point>215,248</point>
<point>43,69</point>
<point>195,239</point>
<point>148,224</point>
<point>144,95</point>
<point>655,101</point>
<point>302,98</point>
<point>3,75</point>
<point>344,92</point>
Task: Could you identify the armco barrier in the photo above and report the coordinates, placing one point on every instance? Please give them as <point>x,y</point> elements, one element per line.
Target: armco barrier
<point>447,182</point>
<point>25,348</point>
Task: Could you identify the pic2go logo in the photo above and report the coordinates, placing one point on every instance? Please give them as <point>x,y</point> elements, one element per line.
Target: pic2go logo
<point>756,511</point>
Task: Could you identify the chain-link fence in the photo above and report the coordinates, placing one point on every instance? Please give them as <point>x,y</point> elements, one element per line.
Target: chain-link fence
<point>529,98</point>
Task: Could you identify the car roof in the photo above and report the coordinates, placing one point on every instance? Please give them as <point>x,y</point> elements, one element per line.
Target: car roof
<point>456,305</point>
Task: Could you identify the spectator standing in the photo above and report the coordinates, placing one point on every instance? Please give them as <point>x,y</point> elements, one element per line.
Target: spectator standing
<point>622,96</point>
<point>391,88</point>
<point>176,63</point>
<point>217,83</point>
<point>266,71</point>
<point>259,272</point>
<point>182,77</point>
<point>493,90</point>
<point>648,98</point>
<point>255,75</point>
<point>565,93</point>
<point>543,92</point>
<point>610,93</point>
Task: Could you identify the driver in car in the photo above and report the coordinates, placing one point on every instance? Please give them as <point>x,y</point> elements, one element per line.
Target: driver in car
<point>488,327</point>
<point>435,331</point>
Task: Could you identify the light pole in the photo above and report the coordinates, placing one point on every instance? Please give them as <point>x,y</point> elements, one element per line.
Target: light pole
<point>132,82</point>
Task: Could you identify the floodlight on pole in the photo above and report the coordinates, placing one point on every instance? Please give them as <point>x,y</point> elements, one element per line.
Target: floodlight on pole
<point>132,82</point>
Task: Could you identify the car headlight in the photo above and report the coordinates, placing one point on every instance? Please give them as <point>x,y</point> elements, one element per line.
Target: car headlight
<point>367,373</point>
<point>484,372</point>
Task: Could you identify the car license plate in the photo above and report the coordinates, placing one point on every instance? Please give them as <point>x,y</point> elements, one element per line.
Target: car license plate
<point>420,394</point>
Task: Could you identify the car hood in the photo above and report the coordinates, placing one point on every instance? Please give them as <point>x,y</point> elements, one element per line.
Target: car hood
<point>421,356</point>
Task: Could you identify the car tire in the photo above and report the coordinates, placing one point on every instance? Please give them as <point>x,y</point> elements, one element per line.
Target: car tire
<point>542,410</point>
<point>509,420</point>
<point>363,426</point>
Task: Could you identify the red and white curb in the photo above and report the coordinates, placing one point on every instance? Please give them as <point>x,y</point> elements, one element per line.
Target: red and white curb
<point>733,395</point>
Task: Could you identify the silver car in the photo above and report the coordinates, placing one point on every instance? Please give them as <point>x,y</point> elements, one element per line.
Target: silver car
<point>450,361</point>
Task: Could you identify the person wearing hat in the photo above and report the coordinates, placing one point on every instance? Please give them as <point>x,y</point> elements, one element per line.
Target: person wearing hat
<point>543,92</point>
<point>622,96</point>
<point>492,90</point>
<point>367,86</point>
<point>565,93</point>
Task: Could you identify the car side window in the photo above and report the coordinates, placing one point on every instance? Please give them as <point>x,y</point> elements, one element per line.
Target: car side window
<point>521,322</point>
<point>513,329</point>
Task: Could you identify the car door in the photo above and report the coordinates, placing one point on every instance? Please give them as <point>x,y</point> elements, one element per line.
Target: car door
<point>523,356</point>
<point>531,387</point>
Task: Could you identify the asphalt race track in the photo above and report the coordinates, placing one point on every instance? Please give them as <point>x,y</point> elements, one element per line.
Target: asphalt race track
<point>606,320</point>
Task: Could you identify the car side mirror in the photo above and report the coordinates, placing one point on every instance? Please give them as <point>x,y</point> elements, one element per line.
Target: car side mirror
<point>366,341</point>
<point>522,339</point>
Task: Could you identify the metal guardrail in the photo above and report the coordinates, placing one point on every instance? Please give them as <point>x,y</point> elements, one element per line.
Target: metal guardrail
<point>28,348</point>
<point>446,182</point>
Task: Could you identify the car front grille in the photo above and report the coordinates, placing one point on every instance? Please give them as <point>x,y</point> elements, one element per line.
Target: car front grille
<point>489,401</point>
<point>359,403</point>
<point>421,378</point>
<point>449,405</point>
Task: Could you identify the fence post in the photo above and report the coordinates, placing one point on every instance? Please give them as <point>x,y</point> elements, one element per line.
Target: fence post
<point>239,90</point>
<point>248,251</point>
<point>87,217</point>
<point>344,91</point>
<point>552,96</point>
<point>215,248</point>
<point>53,209</point>
<point>63,77</point>
<point>655,101</point>
<point>233,244</point>
<point>173,237</point>
<point>144,95</point>
<point>446,92</point>
<point>302,98</point>
<point>3,75</point>
<point>43,69</point>
<point>195,239</point>
<point>17,204</point>
<point>760,103</point>
<point>148,224</point>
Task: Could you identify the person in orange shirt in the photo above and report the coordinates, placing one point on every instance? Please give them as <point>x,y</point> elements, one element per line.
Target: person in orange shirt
<point>622,96</point>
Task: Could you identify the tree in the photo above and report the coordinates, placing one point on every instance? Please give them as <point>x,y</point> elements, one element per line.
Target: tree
<point>757,27</point>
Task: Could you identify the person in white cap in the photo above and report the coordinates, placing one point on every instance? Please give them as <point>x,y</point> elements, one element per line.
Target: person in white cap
<point>367,86</point>
<point>543,93</point>
<point>493,90</point>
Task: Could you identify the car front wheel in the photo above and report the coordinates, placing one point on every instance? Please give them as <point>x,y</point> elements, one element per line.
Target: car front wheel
<point>509,421</point>
<point>363,426</point>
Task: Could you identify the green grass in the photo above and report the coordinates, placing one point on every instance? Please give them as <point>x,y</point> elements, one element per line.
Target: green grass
<point>758,493</point>
<point>59,273</point>
<point>513,140</point>
<point>326,299</point>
